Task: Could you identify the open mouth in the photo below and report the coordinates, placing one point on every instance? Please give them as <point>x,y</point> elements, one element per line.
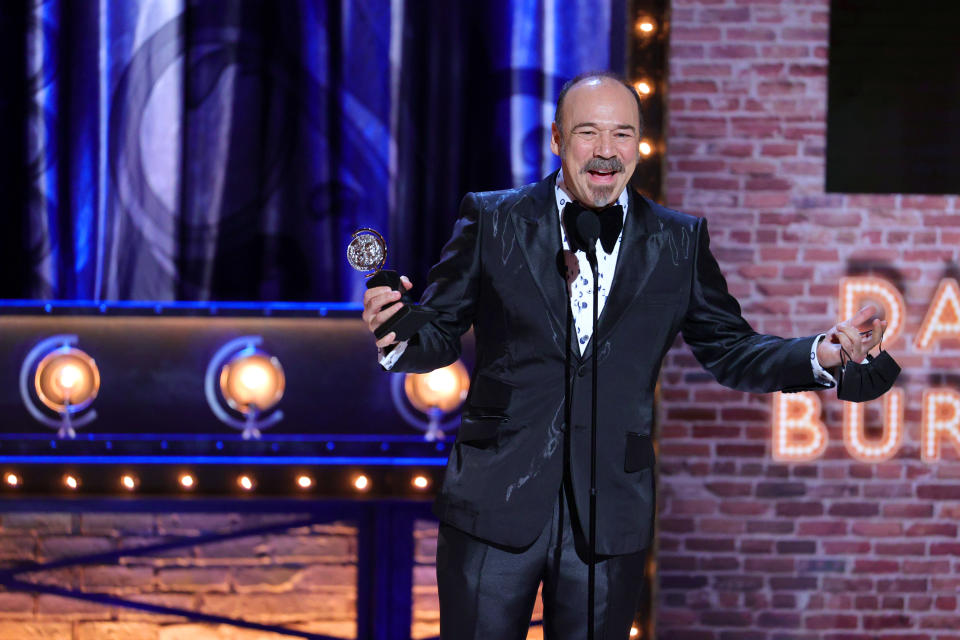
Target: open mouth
<point>602,176</point>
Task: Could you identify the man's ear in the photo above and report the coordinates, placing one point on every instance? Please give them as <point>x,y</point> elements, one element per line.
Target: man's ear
<point>555,139</point>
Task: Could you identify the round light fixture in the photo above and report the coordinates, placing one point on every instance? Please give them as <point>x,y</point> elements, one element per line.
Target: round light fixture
<point>62,378</point>
<point>361,482</point>
<point>427,400</point>
<point>67,380</point>
<point>129,482</point>
<point>444,389</point>
<point>252,381</point>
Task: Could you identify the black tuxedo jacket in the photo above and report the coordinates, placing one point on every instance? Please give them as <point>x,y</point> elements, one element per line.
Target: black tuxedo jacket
<point>530,388</point>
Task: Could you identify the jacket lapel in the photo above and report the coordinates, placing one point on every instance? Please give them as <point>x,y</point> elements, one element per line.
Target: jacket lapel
<point>639,252</point>
<point>537,225</point>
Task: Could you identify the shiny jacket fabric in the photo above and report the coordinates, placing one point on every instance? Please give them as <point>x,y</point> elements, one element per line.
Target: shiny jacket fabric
<point>531,386</point>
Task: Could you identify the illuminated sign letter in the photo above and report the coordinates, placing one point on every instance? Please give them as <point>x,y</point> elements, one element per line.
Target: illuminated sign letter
<point>943,316</point>
<point>874,451</point>
<point>941,415</point>
<point>855,292</point>
<point>798,433</point>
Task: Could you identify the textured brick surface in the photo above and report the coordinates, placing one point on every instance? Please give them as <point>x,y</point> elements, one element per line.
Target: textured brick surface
<point>303,578</point>
<point>833,549</point>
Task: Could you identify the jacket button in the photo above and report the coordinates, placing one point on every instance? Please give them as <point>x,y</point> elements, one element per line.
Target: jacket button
<point>582,370</point>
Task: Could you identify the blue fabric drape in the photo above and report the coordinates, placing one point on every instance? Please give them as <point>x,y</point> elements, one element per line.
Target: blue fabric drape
<point>226,149</point>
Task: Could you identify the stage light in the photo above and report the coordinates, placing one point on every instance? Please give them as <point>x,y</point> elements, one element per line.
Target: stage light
<point>67,380</point>
<point>251,383</point>
<point>645,26</point>
<point>187,481</point>
<point>71,482</point>
<point>634,632</point>
<point>443,389</point>
<point>304,481</point>
<point>129,482</point>
<point>643,88</point>
<point>645,148</point>
<point>435,394</point>
<point>12,479</point>
<point>421,482</point>
<point>361,482</point>
<point>246,483</point>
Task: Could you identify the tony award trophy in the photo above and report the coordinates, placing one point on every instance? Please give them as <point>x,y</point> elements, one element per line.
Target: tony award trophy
<point>367,252</point>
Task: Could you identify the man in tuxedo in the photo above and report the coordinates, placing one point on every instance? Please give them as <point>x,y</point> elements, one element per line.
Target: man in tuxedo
<point>514,502</point>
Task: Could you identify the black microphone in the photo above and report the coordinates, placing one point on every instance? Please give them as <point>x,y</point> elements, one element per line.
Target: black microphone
<point>587,232</point>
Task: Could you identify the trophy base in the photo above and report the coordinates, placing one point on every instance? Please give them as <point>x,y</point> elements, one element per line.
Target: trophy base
<point>406,322</point>
<point>409,318</point>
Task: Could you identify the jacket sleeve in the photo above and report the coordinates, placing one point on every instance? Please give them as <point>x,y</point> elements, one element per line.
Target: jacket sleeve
<point>728,347</point>
<point>452,290</point>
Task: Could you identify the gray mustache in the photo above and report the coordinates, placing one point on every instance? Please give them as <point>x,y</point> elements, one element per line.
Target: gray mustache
<point>603,164</point>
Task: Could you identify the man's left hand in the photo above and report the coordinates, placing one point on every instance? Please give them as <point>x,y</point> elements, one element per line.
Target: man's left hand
<point>857,336</point>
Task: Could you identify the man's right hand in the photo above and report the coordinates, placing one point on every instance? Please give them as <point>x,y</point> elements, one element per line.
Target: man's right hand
<point>379,305</point>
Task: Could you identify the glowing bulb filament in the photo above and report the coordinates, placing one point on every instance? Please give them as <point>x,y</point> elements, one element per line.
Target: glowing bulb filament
<point>70,376</point>
<point>254,378</point>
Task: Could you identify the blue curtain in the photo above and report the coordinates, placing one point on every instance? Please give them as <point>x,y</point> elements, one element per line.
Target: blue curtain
<point>217,149</point>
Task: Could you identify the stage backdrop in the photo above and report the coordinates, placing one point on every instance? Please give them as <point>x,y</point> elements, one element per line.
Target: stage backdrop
<point>860,541</point>
<point>175,150</point>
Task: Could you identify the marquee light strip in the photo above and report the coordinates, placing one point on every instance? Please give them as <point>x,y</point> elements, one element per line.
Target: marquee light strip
<point>864,450</point>
<point>796,417</point>
<point>941,416</point>
<point>943,317</point>
<point>854,292</point>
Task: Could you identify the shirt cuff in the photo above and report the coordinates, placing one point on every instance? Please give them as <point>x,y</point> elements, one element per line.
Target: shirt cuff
<point>819,373</point>
<point>389,358</point>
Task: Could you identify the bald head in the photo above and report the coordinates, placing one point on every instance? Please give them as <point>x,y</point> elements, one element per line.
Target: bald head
<point>596,77</point>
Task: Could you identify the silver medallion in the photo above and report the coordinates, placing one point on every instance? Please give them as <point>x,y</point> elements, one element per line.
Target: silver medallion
<point>367,251</point>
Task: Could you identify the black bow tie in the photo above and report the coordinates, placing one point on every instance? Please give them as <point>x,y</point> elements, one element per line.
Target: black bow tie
<point>611,223</point>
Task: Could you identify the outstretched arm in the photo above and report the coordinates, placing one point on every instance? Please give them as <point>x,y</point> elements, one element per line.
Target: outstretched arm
<point>728,347</point>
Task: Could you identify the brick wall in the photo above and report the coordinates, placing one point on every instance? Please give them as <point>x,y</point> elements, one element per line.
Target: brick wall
<point>749,548</point>
<point>303,578</point>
